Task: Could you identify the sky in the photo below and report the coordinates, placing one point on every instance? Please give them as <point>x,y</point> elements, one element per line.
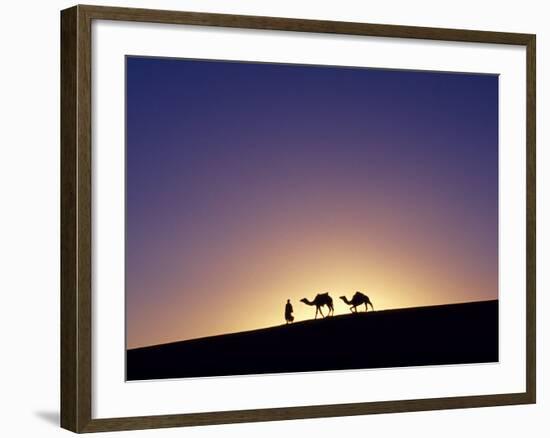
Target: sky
<point>248,184</point>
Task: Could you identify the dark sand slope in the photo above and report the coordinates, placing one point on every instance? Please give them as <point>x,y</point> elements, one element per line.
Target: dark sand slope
<point>435,335</point>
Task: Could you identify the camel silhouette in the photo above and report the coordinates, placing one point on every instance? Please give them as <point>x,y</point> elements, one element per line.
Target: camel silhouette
<point>319,301</point>
<point>357,299</point>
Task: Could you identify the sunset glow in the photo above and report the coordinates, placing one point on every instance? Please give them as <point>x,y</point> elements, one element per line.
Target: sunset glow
<point>249,184</point>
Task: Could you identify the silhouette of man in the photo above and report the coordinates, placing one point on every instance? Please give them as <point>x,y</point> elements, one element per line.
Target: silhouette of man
<point>288,312</point>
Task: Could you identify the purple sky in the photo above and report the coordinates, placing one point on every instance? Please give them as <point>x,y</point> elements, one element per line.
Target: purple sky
<point>251,183</point>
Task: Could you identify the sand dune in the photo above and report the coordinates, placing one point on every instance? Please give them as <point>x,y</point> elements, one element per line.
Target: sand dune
<point>435,335</point>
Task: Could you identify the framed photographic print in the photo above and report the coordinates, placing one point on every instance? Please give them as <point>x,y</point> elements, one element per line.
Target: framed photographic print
<point>322,218</point>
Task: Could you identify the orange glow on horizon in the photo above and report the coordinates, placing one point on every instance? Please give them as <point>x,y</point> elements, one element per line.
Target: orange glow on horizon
<point>395,273</point>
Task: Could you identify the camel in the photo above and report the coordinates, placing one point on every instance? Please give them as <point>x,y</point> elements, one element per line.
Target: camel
<point>320,301</point>
<point>357,299</point>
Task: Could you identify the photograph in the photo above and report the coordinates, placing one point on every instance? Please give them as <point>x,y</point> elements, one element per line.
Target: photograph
<point>294,218</point>
<point>275,219</point>
<point>268,217</point>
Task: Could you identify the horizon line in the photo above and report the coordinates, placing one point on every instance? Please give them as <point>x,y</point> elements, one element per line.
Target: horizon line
<point>308,320</point>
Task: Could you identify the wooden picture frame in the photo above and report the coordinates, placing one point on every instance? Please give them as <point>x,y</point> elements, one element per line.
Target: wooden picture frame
<point>76,218</point>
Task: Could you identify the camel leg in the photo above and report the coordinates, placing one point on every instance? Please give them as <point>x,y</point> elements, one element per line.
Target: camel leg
<point>321,312</point>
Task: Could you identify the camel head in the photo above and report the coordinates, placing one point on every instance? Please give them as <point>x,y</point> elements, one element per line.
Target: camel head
<point>305,301</point>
